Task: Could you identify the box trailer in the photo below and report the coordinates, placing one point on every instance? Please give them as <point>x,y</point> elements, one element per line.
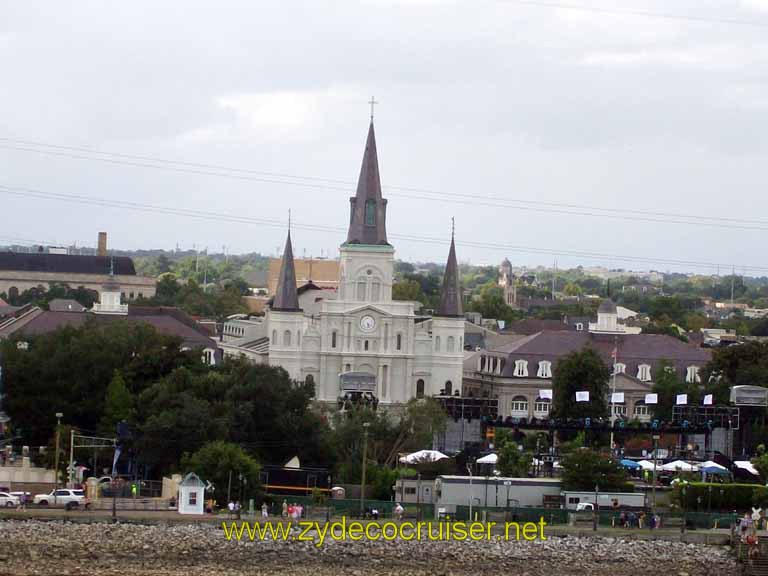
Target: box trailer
<point>577,500</point>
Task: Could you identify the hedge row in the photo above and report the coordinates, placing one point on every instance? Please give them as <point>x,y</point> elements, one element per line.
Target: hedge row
<point>718,496</point>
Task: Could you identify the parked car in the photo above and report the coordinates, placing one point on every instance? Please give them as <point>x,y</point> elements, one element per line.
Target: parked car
<point>8,500</point>
<point>24,497</point>
<point>68,497</point>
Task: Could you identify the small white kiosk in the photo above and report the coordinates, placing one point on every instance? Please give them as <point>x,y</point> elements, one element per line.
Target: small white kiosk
<point>191,495</point>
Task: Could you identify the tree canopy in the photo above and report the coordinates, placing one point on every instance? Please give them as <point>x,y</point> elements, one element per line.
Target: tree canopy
<point>583,469</point>
<point>581,371</point>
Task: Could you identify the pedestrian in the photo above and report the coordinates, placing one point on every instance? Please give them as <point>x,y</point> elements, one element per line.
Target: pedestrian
<point>264,510</point>
<point>285,509</point>
<point>744,525</point>
<point>399,511</point>
<point>231,508</point>
<point>238,507</point>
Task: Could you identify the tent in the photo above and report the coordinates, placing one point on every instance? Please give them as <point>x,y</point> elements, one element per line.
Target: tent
<point>712,464</point>
<point>679,466</point>
<point>631,464</point>
<point>747,465</point>
<point>491,458</point>
<point>646,465</point>
<point>712,470</point>
<point>422,456</point>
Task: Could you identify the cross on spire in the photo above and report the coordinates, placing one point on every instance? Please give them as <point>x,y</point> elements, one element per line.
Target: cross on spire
<point>373,103</point>
<point>453,227</point>
<point>289,219</point>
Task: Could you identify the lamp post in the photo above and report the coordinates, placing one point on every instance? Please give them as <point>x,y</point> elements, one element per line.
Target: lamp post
<point>418,496</point>
<point>330,500</point>
<point>366,425</point>
<point>597,508</point>
<point>59,416</point>
<point>469,469</point>
<point>655,444</point>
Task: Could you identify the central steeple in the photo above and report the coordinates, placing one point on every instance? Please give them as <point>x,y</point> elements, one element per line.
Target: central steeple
<point>368,210</point>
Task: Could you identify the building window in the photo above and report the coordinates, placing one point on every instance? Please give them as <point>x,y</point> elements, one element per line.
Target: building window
<point>644,372</point>
<point>448,388</point>
<point>399,342</point>
<point>193,498</point>
<point>287,338</point>
<point>370,213</point>
<point>130,295</point>
<point>520,404</point>
<point>641,409</point>
<point>274,337</point>
<point>449,344</point>
<point>365,344</point>
<point>333,339</point>
<point>692,374</point>
<point>619,368</point>
<point>347,368</point>
<point>361,290</point>
<point>375,291</point>
<point>620,409</point>
<point>545,369</point>
<point>541,406</point>
<point>419,388</point>
<point>521,368</point>
<point>437,343</point>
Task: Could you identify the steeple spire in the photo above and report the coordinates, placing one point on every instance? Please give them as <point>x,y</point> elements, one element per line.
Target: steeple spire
<point>450,294</point>
<point>368,210</point>
<point>286,297</point>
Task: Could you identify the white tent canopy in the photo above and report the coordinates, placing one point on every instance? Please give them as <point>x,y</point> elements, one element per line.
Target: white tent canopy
<point>679,466</point>
<point>748,466</point>
<point>422,456</point>
<point>712,464</point>
<point>491,458</point>
<point>646,465</point>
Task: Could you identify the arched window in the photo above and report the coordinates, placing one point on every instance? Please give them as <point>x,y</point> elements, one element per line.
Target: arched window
<point>370,213</point>
<point>274,337</point>
<point>545,369</point>
<point>333,339</point>
<point>541,406</point>
<point>448,388</point>
<point>287,338</point>
<point>419,388</point>
<point>449,344</point>
<point>644,372</point>
<point>361,290</point>
<point>521,368</point>
<point>375,291</point>
<point>519,404</point>
<point>399,341</point>
<point>437,343</point>
<point>692,374</point>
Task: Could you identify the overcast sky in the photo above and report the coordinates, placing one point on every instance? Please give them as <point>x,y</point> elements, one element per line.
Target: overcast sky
<point>498,101</point>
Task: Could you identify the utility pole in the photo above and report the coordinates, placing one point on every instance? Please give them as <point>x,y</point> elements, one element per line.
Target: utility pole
<point>366,425</point>
<point>655,444</point>
<point>469,469</point>
<point>71,475</point>
<point>733,279</point>
<point>59,416</point>
<point>596,513</point>
<point>613,387</point>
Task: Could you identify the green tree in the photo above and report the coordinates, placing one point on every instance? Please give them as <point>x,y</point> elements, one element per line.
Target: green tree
<point>407,290</point>
<point>667,385</point>
<point>583,469</point>
<point>736,366</point>
<point>580,371</point>
<point>217,462</point>
<point>118,404</point>
<point>512,462</point>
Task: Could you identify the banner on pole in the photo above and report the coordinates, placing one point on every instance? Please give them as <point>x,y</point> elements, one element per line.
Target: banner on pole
<point>582,396</point>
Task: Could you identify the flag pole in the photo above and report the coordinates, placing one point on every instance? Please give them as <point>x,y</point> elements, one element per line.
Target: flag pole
<point>613,387</point>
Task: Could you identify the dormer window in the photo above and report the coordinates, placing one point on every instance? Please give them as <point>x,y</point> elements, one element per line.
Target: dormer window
<point>644,372</point>
<point>692,374</point>
<point>619,368</point>
<point>370,213</point>
<point>521,368</point>
<point>545,369</point>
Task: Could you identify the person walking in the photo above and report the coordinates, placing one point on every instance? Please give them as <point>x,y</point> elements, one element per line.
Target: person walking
<point>231,508</point>
<point>285,509</point>
<point>264,510</point>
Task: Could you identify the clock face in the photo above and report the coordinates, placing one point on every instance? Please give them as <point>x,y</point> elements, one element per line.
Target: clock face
<point>367,323</point>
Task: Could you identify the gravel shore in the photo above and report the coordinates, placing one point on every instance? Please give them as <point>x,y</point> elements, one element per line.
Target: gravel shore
<point>47,548</point>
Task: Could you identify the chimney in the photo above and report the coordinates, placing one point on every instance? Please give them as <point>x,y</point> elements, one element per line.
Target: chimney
<point>102,251</point>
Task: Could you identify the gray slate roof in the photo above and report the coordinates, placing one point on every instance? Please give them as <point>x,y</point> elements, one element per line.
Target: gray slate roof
<point>286,297</point>
<point>450,294</point>
<point>65,263</point>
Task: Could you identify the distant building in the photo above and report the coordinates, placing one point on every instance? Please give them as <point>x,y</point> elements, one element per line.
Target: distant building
<point>511,281</point>
<point>517,371</point>
<point>23,271</point>
<point>322,273</point>
<point>33,321</point>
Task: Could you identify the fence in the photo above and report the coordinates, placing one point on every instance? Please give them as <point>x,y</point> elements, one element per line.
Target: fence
<point>348,507</point>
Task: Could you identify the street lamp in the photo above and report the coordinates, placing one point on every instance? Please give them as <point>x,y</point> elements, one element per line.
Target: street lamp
<point>59,416</point>
<point>655,450</point>
<point>366,425</point>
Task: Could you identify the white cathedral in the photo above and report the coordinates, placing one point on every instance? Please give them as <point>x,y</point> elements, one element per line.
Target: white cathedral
<point>359,342</point>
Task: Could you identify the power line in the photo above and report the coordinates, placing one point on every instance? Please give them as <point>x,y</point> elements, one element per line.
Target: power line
<point>629,214</point>
<point>642,13</point>
<point>239,219</point>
